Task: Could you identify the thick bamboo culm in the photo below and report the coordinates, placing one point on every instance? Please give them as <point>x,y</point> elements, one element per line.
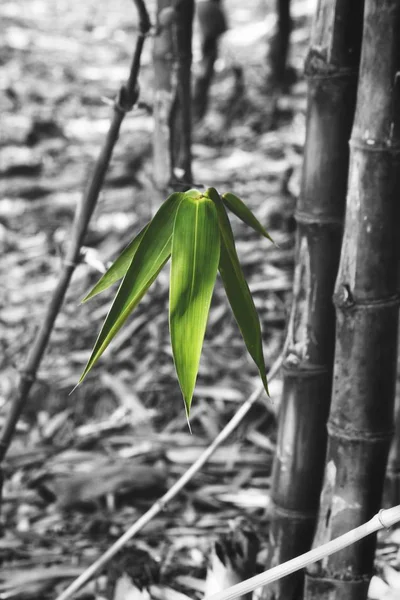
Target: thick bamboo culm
<point>367,304</point>
<point>331,70</point>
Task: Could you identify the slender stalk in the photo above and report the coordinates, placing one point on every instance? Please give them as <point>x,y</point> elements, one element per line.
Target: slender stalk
<point>280,43</point>
<point>366,298</point>
<point>384,519</point>
<point>172,60</point>
<point>127,98</point>
<point>163,65</point>
<point>331,70</point>
<point>212,22</point>
<point>181,140</point>
<point>162,502</point>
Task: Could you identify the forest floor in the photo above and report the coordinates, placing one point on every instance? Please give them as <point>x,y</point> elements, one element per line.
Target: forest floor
<point>83,467</point>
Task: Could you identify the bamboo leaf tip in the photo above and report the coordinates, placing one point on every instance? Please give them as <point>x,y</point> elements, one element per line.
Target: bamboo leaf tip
<point>75,386</point>
<point>212,194</point>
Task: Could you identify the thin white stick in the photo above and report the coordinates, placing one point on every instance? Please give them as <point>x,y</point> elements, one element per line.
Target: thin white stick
<point>160,504</point>
<point>385,518</point>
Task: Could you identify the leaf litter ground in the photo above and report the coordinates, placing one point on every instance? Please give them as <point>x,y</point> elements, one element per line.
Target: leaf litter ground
<point>82,468</point>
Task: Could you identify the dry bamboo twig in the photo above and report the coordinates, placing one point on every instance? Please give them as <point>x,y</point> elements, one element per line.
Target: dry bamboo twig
<point>384,519</point>
<point>125,101</point>
<point>160,504</point>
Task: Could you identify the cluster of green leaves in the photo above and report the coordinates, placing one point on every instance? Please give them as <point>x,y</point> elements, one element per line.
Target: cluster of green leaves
<point>193,229</point>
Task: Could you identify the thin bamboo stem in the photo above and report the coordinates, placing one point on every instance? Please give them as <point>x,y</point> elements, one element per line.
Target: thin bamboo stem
<point>331,71</point>
<point>172,60</point>
<point>212,24</point>
<point>384,519</point>
<point>127,98</point>
<point>172,492</point>
<point>280,43</point>
<point>181,117</point>
<point>164,93</point>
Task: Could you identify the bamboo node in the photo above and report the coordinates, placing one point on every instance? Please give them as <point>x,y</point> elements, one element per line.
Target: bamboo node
<point>309,218</point>
<point>295,367</point>
<point>317,66</point>
<point>335,430</point>
<point>381,520</point>
<point>342,301</point>
<point>292,514</point>
<point>126,99</point>
<point>368,144</point>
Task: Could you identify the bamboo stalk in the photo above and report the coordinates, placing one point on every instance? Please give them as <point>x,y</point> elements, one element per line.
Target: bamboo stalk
<point>280,43</point>
<point>331,70</point>
<point>384,519</point>
<point>181,134</point>
<point>212,24</point>
<point>163,65</point>
<point>127,97</point>
<point>172,60</point>
<point>162,502</point>
<point>366,298</point>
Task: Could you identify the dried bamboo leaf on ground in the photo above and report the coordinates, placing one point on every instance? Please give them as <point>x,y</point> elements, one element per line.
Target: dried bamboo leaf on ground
<point>135,480</point>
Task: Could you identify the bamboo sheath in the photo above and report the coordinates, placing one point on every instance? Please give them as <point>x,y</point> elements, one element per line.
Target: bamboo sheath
<point>366,298</point>
<point>331,70</point>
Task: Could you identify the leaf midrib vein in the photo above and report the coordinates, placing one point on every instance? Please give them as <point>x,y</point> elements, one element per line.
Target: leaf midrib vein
<point>194,253</point>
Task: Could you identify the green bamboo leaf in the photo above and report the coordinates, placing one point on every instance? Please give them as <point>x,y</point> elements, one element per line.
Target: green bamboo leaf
<point>118,268</point>
<point>194,265</point>
<point>237,290</point>
<point>239,208</point>
<point>151,255</point>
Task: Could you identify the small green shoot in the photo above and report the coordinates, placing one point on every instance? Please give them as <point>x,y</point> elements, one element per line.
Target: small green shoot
<point>194,228</point>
